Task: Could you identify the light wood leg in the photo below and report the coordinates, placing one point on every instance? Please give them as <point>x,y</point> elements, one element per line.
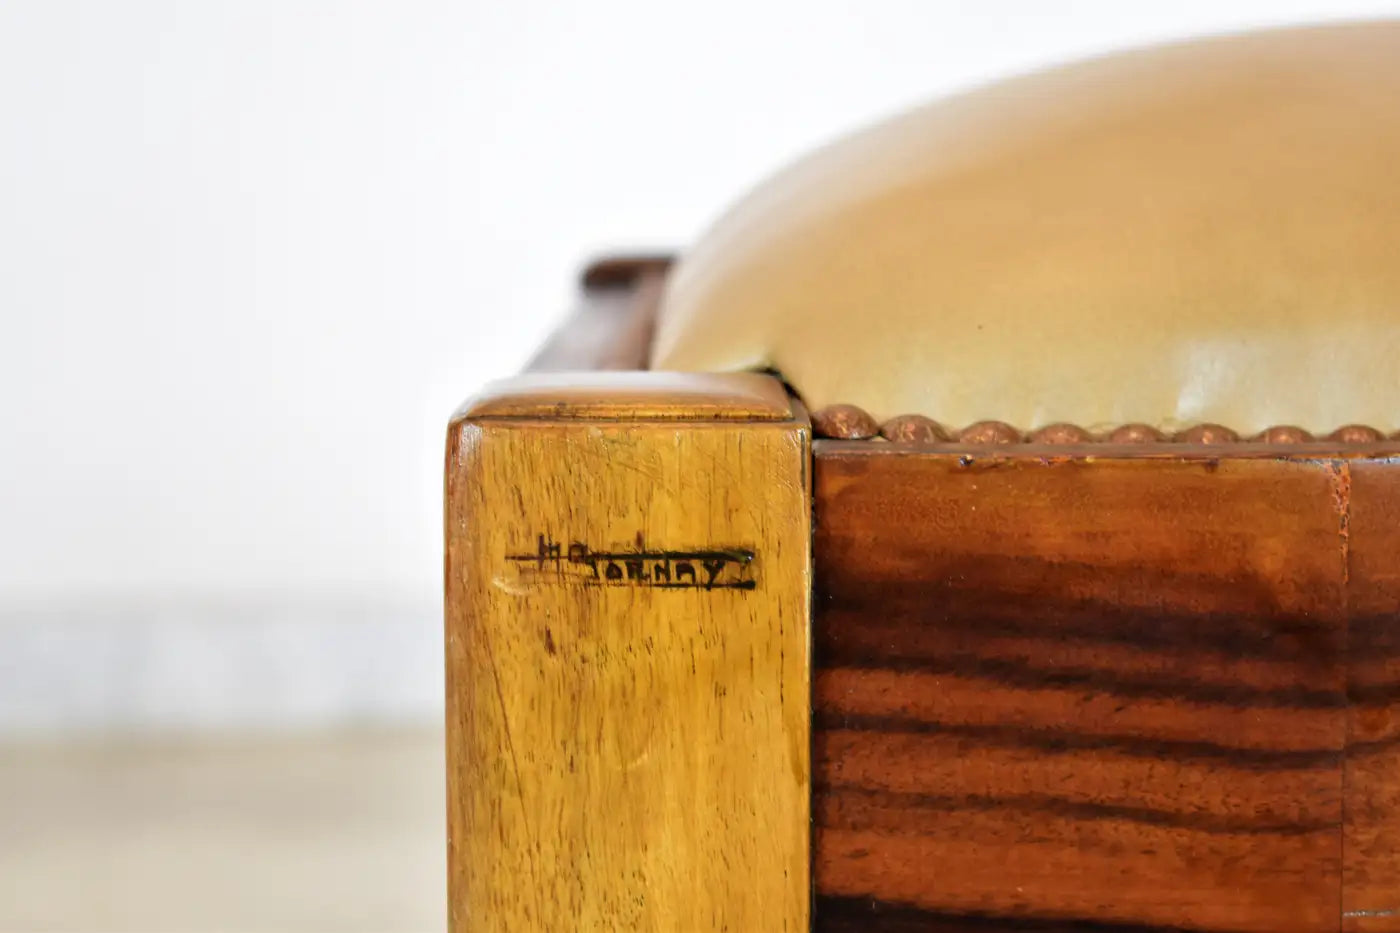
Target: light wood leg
<point>628,701</point>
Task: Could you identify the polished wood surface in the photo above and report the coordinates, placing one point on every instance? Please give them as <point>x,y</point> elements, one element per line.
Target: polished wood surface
<point>628,606</point>
<point>633,396</point>
<point>1059,690</point>
<point>1371,889</point>
<point>625,270</point>
<point>611,325</point>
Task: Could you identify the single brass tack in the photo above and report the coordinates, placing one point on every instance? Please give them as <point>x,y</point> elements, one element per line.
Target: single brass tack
<point>913,429</point>
<point>989,432</point>
<point>844,422</point>
<point>1283,434</point>
<point>1355,434</point>
<point>1136,434</point>
<point>1207,434</point>
<point>1062,434</point>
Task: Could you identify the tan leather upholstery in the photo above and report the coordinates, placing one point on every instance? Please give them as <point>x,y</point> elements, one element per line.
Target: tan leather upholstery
<point>1200,232</point>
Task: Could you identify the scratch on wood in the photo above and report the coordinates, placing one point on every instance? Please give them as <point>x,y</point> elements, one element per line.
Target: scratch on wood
<point>1340,472</point>
<point>514,764</point>
<point>1372,913</point>
<point>509,586</point>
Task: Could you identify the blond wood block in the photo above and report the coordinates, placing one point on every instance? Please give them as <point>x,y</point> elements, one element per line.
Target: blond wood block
<point>628,606</point>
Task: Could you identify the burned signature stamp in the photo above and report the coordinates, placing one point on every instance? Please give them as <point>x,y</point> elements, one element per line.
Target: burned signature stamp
<point>728,568</point>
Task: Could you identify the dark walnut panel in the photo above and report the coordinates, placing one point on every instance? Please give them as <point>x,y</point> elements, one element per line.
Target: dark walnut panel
<point>1110,693</point>
<point>1371,893</point>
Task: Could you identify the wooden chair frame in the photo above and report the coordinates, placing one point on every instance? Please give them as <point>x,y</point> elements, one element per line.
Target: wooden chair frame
<point>707,673</point>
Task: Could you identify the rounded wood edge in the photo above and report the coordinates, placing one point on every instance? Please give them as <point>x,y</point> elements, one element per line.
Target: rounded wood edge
<point>634,395</point>
<point>623,270</point>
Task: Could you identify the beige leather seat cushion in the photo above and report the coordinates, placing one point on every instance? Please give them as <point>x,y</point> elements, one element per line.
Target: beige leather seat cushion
<point>1204,232</point>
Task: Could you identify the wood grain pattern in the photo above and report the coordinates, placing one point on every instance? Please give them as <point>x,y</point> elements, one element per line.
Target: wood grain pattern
<point>1105,692</point>
<point>1371,888</point>
<point>628,744</point>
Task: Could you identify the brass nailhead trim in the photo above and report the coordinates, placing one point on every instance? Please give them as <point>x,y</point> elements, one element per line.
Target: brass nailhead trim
<point>851,422</point>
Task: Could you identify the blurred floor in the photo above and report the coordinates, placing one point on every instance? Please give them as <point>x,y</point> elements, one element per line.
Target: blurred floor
<point>292,833</point>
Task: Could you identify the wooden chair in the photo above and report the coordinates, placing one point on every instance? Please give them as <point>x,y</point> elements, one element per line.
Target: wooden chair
<point>1074,604</point>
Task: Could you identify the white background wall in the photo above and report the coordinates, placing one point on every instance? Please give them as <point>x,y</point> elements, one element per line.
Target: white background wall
<point>252,254</point>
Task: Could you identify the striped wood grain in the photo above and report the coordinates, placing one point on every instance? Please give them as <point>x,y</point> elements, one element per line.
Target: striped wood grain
<point>1105,693</point>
